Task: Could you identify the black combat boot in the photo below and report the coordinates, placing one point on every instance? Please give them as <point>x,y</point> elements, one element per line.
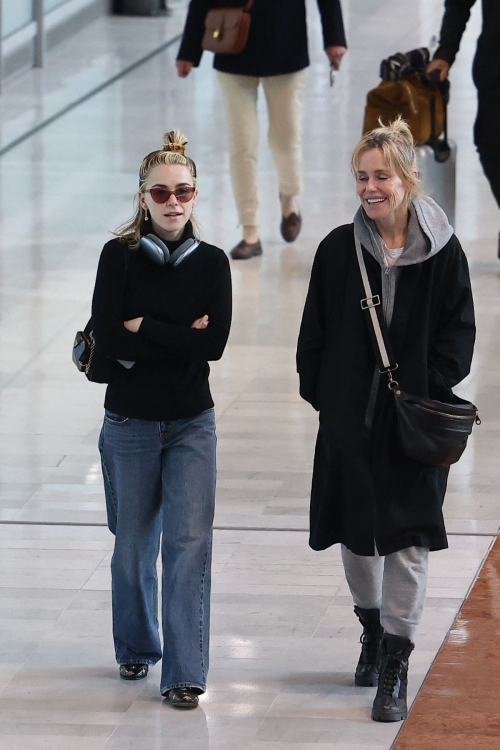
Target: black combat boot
<point>371,642</point>
<point>390,701</point>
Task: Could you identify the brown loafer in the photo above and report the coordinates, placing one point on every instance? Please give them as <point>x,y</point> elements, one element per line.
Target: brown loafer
<point>244,250</point>
<point>290,227</point>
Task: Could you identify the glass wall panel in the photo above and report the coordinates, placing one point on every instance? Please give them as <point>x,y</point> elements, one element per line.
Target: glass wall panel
<point>51,4</point>
<point>15,15</point>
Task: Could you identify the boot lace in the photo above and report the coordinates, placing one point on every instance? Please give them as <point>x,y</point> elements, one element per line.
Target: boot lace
<point>371,647</point>
<point>391,676</point>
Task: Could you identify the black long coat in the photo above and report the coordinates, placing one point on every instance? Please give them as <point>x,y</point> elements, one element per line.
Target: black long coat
<point>364,488</point>
<point>277,42</point>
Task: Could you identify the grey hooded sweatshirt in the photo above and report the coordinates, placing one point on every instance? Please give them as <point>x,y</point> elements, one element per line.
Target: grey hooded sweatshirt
<point>428,232</point>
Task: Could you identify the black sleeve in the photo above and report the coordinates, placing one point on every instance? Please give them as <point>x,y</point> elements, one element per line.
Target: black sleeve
<point>450,355</point>
<point>111,337</point>
<point>332,22</point>
<point>312,335</point>
<point>190,49</point>
<point>192,343</point>
<point>456,15</point>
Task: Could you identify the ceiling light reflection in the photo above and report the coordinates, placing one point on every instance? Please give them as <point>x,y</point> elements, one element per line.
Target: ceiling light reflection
<point>242,649</point>
<point>459,634</point>
<point>244,687</point>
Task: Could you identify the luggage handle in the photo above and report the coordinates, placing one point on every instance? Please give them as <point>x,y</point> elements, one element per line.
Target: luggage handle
<point>440,146</point>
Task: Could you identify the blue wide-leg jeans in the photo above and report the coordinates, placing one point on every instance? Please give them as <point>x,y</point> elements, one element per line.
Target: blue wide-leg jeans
<point>159,480</point>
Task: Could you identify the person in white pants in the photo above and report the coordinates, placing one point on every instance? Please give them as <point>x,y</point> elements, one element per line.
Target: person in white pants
<point>284,104</point>
<point>275,56</point>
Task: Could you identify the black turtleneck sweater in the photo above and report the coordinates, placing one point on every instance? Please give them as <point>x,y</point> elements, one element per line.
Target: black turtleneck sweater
<point>169,379</point>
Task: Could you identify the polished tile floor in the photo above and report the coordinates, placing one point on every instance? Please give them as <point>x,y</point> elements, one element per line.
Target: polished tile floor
<point>284,638</point>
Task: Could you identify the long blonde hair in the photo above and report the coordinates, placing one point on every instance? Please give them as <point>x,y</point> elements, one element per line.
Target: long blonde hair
<point>174,146</point>
<point>398,147</point>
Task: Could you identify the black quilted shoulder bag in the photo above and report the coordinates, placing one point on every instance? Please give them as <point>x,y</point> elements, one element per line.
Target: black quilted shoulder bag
<point>97,367</point>
<point>430,431</point>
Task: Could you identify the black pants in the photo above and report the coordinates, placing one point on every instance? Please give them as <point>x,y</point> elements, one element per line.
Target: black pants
<point>486,138</point>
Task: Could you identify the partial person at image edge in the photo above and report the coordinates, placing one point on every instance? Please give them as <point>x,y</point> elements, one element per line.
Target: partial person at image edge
<point>276,56</point>
<point>383,508</point>
<point>486,74</point>
<point>167,318</point>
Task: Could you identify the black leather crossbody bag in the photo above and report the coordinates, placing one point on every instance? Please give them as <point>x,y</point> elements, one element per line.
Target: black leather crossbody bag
<point>430,431</point>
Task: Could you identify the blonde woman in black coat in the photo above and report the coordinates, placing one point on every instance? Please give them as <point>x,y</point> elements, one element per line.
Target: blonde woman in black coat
<point>382,507</point>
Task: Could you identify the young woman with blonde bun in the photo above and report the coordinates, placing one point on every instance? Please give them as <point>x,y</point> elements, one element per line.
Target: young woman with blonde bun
<point>162,308</point>
<point>383,508</point>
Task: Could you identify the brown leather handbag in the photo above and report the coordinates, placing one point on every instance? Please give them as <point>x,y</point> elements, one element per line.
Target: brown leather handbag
<point>226,29</point>
<point>419,101</point>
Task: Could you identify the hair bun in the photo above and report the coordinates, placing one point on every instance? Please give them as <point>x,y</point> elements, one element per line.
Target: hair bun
<point>399,128</point>
<point>175,147</point>
<point>175,141</point>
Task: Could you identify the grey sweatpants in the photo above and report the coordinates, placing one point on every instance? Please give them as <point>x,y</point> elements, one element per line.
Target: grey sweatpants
<point>395,584</point>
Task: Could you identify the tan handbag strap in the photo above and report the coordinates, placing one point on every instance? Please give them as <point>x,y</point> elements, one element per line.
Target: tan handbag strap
<point>248,6</point>
<point>380,341</point>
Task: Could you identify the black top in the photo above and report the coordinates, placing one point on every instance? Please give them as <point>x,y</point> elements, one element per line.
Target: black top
<point>277,42</point>
<point>487,60</point>
<point>169,379</point>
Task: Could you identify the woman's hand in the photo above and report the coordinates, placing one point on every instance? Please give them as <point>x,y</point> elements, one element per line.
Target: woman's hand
<point>183,68</point>
<point>133,325</point>
<point>201,323</point>
<point>335,55</point>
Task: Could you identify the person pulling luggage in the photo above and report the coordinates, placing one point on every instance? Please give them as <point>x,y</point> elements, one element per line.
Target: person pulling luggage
<point>486,74</point>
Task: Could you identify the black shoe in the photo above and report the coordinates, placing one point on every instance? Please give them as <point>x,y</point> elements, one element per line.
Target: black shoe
<point>133,671</point>
<point>371,643</point>
<point>183,697</point>
<point>390,701</point>
<point>244,250</point>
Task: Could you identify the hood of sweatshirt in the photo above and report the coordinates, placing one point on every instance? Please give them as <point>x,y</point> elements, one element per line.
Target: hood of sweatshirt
<point>428,232</point>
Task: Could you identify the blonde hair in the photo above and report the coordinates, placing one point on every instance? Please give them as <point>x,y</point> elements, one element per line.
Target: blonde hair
<point>398,148</point>
<point>173,152</point>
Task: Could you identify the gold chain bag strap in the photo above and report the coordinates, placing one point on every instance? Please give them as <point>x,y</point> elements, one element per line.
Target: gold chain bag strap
<point>226,30</point>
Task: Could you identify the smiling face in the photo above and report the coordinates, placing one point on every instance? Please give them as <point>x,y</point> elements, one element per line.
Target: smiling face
<point>381,190</point>
<point>168,219</point>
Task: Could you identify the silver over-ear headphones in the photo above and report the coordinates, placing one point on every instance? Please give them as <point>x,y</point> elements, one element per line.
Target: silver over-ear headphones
<point>159,254</point>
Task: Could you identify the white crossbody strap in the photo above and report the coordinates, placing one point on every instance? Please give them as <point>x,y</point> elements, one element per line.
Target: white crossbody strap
<point>370,303</point>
